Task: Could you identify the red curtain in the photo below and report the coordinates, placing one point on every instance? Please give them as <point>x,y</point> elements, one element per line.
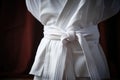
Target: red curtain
<point>110,41</point>
<point>20,34</point>
<point>18,39</point>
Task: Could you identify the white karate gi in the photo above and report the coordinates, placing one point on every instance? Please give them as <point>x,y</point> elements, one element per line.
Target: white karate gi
<point>70,47</point>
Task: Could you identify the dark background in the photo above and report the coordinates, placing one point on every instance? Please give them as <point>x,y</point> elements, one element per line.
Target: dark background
<point>20,34</point>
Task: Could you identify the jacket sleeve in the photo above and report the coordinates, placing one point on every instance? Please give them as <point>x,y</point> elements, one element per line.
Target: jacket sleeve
<point>92,12</point>
<point>96,11</point>
<point>33,7</point>
<point>111,8</point>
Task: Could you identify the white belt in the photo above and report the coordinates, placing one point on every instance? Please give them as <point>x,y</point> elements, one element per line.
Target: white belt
<point>65,38</point>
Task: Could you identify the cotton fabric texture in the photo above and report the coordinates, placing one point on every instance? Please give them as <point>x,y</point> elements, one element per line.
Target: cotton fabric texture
<point>70,46</point>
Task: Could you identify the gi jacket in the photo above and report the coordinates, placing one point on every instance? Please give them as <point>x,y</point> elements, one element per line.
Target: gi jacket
<point>70,46</point>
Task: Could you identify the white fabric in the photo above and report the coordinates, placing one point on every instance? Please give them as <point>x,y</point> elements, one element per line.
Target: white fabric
<point>70,47</point>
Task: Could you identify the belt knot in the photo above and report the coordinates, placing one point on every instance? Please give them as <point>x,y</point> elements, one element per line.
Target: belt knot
<point>68,36</point>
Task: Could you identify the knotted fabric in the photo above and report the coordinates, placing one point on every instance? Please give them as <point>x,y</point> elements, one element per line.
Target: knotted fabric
<point>65,38</point>
<point>68,36</point>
